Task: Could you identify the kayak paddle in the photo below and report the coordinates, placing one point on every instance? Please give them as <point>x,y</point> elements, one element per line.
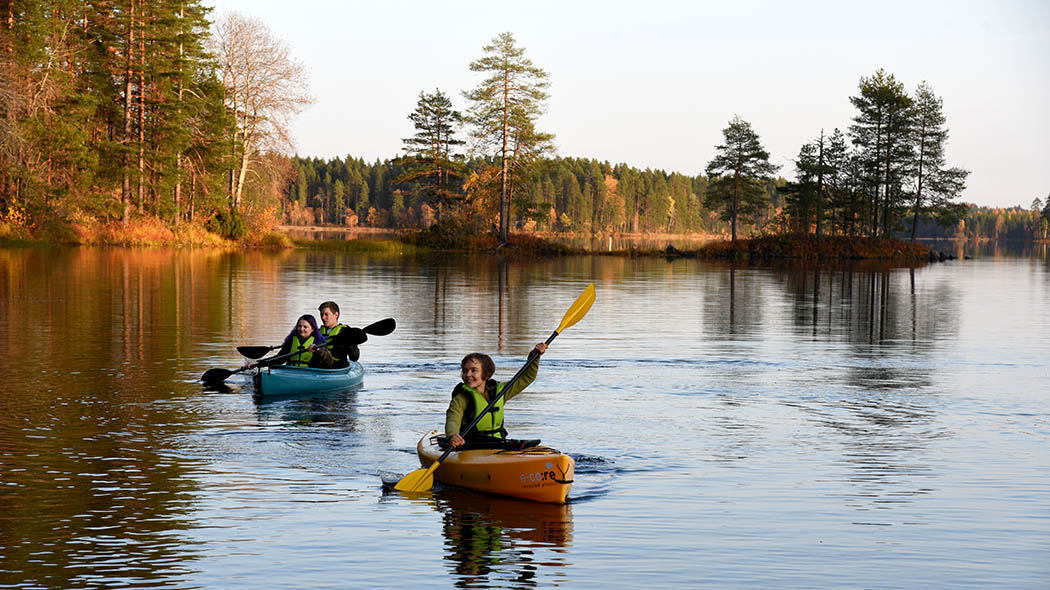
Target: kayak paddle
<point>216,376</point>
<point>422,479</point>
<point>256,352</point>
<point>380,328</point>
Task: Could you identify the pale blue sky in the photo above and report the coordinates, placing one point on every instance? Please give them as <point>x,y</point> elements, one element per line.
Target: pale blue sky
<point>652,83</point>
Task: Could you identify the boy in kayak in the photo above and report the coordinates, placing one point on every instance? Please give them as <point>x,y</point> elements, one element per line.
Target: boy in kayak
<point>330,327</point>
<point>476,391</point>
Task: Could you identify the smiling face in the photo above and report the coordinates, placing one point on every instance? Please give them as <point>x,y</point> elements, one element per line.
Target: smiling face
<point>329,318</point>
<point>473,376</point>
<point>304,328</point>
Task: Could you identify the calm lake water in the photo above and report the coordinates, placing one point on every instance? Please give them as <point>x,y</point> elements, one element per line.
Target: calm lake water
<point>733,426</point>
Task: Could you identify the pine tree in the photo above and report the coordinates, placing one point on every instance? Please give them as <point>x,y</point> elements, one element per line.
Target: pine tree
<point>434,171</point>
<point>882,133</point>
<point>503,111</point>
<point>738,168</point>
<point>935,186</point>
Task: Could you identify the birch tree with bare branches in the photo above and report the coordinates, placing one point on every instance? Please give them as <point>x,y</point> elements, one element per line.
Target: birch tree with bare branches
<point>265,87</point>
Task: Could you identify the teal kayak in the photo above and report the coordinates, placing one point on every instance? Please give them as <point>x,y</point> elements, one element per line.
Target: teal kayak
<point>288,380</point>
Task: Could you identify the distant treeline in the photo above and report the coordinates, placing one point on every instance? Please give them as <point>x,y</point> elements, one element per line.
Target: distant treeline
<point>562,194</point>
<point>576,195</point>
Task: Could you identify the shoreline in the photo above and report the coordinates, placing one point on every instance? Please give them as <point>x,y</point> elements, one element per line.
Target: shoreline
<point>372,240</point>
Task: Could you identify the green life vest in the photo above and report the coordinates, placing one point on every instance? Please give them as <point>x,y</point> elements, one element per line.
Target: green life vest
<point>301,360</point>
<point>328,334</point>
<point>491,424</point>
<point>341,353</point>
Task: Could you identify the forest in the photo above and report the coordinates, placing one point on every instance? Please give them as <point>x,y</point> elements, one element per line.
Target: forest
<point>123,119</point>
<point>353,192</point>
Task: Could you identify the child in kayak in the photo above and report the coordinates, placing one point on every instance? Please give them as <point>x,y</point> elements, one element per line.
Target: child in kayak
<point>476,391</point>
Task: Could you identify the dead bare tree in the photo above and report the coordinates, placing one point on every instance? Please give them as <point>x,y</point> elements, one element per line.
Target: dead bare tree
<point>265,87</point>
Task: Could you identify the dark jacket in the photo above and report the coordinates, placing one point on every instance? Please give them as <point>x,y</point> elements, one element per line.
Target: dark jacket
<point>341,351</point>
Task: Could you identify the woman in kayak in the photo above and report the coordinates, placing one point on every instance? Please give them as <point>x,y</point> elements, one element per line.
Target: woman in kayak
<point>308,342</point>
<point>476,391</point>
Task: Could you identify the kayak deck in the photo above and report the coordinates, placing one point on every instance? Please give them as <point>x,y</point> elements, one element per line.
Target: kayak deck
<point>290,380</point>
<point>537,473</point>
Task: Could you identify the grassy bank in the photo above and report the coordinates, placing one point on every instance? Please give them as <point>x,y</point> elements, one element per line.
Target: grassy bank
<point>140,231</point>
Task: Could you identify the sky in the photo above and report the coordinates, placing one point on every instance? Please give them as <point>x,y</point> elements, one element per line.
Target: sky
<point>652,83</point>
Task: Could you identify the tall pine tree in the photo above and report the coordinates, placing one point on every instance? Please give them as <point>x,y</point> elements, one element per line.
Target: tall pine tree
<point>882,133</point>
<point>739,167</point>
<point>935,185</point>
<point>503,111</point>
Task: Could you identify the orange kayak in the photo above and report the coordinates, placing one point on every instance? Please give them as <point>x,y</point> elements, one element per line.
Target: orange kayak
<point>539,473</point>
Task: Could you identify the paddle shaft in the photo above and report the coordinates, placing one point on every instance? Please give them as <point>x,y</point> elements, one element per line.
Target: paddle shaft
<point>281,357</point>
<point>379,328</point>
<point>215,376</point>
<point>532,357</point>
<point>220,375</point>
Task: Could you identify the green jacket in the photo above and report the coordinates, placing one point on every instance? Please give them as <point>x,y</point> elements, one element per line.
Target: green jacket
<point>459,405</point>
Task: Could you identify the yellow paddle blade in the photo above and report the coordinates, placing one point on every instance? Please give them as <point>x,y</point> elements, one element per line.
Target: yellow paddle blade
<point>419,480</point>
<point>579,308</point>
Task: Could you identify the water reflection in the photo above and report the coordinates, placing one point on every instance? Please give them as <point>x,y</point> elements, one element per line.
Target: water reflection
<point>854,394</point>
<point>502,542</point>
<point>962,249</point>
<point>867,304</point>
<point>880,403</point>
<point>336,409</point>
<point>89,492</point>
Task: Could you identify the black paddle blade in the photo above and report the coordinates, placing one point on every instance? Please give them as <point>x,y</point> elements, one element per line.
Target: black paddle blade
<point>348,337</point>
<point>215,376</point>
<point>351,337</point>
<point>381,328</point>
<point>254,352</point>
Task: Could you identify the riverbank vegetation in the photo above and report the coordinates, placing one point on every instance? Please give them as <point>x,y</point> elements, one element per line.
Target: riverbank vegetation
<point>144,123</point>
<point>821,248</point>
